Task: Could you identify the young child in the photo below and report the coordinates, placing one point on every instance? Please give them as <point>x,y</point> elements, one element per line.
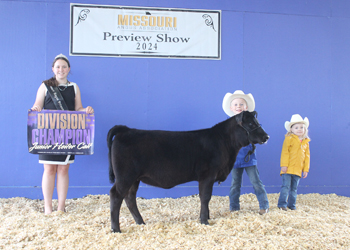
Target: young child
<point>295,160</point>
<point>234,104</point>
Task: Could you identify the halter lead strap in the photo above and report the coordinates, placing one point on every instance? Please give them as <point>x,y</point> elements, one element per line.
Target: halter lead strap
<point>250,152</point>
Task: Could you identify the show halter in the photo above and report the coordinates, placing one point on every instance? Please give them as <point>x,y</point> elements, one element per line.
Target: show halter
<point>248,130</point>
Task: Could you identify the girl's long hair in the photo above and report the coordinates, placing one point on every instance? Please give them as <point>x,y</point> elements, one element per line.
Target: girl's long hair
<point>51,82</point>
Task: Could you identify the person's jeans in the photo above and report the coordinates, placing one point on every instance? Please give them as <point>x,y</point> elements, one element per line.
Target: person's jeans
<point>235,190</point>
<point>288,194</point>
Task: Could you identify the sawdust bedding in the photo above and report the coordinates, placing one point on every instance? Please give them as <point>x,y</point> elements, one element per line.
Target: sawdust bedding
<point>320,222</point>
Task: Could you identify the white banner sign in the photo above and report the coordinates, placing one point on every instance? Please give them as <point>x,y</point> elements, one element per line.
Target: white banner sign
<point>100,30</point>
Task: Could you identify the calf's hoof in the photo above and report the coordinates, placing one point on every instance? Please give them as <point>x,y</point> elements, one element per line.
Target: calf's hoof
<point>116,230</point>
<point>205,222</point>
<point>140,222</point>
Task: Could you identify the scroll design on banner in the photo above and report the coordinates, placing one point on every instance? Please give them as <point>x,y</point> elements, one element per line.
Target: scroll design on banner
<point>209,21</point>
<point>82,15</point>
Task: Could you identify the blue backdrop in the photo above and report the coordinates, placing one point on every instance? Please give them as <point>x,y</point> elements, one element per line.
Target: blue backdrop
<point>293,56</point>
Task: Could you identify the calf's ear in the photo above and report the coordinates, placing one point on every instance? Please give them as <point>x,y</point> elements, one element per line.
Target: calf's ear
<point>239,118</point>
<point>254,113</point>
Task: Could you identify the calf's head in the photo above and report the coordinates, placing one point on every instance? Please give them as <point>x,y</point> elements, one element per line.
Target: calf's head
<point>256,134</point>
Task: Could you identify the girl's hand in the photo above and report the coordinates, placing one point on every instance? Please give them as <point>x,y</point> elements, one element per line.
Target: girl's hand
<point>305,174</point>
<point>284,169</point>
<point>36,108</point>
<point>89,110</point>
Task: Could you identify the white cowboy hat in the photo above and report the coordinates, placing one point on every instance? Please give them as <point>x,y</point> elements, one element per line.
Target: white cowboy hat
<point>226,103</point>
<point>296,119</point>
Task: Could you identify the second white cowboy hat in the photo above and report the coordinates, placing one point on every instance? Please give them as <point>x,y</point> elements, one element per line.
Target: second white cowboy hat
<point>226,103</point>
<point>296,119</point>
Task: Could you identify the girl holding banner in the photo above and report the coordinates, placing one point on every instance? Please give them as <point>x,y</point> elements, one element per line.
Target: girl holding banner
<point>57,93</point>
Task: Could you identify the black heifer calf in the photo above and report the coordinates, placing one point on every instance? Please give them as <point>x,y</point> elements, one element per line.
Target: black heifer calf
<point>166,159</point>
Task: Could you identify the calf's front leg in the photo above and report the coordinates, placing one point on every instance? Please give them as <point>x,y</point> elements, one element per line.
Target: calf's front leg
<point>205,192</point>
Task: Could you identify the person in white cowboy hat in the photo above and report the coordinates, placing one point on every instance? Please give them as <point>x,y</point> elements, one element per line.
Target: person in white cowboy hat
<point>295,160</point>
<point>233,104</point>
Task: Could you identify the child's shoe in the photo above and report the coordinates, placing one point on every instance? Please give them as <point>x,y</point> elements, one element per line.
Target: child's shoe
<point>263,211</point>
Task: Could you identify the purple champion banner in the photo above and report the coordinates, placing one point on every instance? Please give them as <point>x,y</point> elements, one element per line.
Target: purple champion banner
<point>61,132</point>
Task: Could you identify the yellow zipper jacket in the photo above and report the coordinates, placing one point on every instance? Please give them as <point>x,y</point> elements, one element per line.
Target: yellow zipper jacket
<point>295,155</point>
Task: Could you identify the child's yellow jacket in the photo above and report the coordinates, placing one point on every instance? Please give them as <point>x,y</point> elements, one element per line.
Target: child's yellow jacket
<point>295,155</point>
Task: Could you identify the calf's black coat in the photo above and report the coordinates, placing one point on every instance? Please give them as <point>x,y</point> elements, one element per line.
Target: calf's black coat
<point>166,159</point>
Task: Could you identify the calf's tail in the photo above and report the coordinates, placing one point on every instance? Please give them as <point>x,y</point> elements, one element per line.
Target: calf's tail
<point>111,133</point>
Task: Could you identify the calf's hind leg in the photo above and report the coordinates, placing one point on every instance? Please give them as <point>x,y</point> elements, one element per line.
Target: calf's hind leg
<point>130,200</point>
<point>115,204</point>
